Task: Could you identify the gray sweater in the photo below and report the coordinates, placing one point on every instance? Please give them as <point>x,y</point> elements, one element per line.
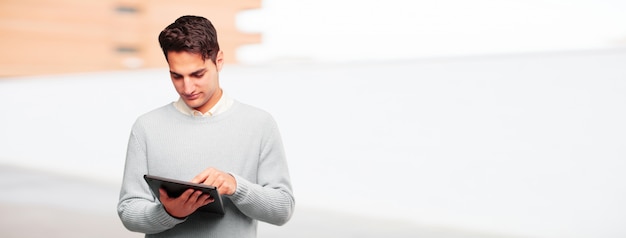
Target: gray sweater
<point>243,141</point>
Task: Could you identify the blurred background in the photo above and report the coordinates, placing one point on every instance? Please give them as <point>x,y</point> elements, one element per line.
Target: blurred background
<point>400,118</point>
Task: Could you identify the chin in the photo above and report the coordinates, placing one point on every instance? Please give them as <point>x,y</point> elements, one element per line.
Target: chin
<point>194,104</point>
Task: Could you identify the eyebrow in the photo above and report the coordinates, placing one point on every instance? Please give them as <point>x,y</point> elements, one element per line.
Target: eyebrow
<point>202,70</point>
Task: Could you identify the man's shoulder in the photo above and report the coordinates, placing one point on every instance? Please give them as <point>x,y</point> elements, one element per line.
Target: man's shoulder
<point>252,111</point>
<point>157,113</point>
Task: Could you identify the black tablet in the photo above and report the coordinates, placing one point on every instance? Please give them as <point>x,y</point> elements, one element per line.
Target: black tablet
<point>175,188</point>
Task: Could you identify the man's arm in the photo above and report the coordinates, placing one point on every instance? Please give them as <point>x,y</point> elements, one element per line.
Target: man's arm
<point>137,207</point>
<point>270,199</point>
<point>270,203</point>
<point>273,205</point>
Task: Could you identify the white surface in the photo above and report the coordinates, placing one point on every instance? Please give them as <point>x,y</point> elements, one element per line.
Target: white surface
<point>529,145</point>
<point>361,30</point>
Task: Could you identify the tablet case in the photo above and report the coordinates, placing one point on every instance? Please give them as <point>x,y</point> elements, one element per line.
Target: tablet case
<point>175,188</point>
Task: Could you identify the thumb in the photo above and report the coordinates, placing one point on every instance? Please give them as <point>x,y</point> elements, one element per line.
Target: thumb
<point>163,194</point>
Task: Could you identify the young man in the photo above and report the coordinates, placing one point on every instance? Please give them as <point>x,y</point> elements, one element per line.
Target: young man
<point>204,137</point>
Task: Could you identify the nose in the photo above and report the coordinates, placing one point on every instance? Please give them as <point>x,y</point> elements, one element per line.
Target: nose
<point>188,86</point>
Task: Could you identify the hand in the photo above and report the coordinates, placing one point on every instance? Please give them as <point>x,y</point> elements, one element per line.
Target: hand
<point>185,204</point>
<point>224,182</point>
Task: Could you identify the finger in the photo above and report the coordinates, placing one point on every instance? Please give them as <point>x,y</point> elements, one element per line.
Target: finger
<point>210,180</point>
<point>206,199</point>
<point>186,195</point>
<point>225,187</point>
<point>194,197</point>
<point>163,194</point>
<point>200,178</point>
<point>218,182</point>
<point>226,184</point>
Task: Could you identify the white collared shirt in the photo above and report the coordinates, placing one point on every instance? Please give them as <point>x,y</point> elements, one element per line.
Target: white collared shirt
<point>222,105</point>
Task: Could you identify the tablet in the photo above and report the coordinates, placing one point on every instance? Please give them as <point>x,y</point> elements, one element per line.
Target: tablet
<point>175,188</point>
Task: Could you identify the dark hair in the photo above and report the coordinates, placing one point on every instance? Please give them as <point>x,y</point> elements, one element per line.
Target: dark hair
<point>193,34</point>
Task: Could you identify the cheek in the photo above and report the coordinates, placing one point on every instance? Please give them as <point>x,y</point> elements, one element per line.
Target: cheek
<point>178,86</point>
<point>210,82</point>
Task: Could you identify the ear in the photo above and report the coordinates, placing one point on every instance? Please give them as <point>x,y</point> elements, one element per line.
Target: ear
<point>219,60</point>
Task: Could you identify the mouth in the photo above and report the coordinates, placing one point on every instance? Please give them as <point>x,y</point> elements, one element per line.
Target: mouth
<point>192,96</point>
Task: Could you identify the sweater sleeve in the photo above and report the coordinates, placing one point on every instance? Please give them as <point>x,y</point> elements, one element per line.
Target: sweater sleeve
<point>137,208</point>
<point>270,199</point>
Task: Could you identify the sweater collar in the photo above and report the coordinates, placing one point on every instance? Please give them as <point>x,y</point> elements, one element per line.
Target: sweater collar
<point>221,106</point>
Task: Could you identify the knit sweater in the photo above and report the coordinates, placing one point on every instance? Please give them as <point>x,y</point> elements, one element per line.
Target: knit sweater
<point>243,141</point>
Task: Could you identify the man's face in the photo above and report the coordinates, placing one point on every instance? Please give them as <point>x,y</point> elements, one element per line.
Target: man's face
<point>195,79</point>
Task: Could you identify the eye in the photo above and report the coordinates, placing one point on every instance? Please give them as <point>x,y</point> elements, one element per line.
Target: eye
<point>198,75</point>
<point>176,76</point>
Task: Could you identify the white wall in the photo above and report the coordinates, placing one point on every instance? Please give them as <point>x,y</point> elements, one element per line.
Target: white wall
<point>358,30</point>
<point>529,145</point>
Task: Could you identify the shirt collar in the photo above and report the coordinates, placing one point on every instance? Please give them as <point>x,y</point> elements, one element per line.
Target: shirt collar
<point>222,105</point>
